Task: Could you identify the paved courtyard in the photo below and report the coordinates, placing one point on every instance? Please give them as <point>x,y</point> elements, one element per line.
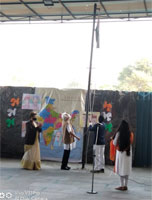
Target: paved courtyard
<point>51,183</point>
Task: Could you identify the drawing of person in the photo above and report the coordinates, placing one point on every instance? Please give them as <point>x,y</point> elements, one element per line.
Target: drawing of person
<point>25,103</point>
<point>35,102</point>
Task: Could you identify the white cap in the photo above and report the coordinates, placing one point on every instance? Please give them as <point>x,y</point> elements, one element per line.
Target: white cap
<point>65,116</point>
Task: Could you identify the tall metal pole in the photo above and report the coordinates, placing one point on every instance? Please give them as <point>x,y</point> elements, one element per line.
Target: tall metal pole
<point>88,92</point>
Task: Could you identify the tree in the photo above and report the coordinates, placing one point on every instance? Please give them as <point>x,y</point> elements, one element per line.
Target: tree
<point>136,77</point>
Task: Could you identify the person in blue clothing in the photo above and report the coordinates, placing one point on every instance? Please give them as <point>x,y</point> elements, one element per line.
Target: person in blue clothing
<point>99,144</point>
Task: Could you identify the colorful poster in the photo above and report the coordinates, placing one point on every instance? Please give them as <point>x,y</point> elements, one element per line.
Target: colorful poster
<point>92,118</point>
<point>51,120</point>
<point>54,103</point>
<point>31,102</point>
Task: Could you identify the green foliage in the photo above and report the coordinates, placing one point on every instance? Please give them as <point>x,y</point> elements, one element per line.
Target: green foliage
<point>136,77</point>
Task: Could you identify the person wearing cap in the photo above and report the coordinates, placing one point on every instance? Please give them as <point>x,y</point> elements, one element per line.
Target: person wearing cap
<point>31,158</point>
<point>68,139</point>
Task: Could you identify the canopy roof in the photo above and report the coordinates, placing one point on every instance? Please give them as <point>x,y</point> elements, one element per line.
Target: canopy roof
<point>37,10</point>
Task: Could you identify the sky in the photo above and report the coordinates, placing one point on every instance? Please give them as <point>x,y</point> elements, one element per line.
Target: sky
<point>58,54</point>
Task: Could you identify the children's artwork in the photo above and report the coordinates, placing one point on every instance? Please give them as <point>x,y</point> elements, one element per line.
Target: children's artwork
<point>107,114</point>
<point>109,127</point>
<point>11,112</point>
<point>15,101</point>
<point>23,128</point>
<point>10,122</point>
<point>31,102</point>
<point>92,118</point>
<point>57,138</point>
<point>107,106</point>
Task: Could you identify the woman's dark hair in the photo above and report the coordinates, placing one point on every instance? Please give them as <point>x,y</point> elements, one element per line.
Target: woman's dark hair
<point>32,114</point>
<point>124,137</point>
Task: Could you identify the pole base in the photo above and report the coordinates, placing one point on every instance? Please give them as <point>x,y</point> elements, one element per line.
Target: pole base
<point>92,192</point>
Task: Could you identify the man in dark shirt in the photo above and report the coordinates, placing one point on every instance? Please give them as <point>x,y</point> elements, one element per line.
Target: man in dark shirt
<point>99,144</point>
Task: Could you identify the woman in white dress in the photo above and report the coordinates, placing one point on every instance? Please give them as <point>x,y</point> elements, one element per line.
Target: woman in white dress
<point>123,164</point>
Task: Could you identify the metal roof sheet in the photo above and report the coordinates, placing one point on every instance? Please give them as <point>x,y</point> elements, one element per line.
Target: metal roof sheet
<point>36,10</point>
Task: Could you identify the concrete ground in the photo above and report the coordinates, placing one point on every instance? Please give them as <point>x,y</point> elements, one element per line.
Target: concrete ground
<point>51,183</point>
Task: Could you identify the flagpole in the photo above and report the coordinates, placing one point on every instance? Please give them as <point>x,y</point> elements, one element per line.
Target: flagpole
<point>84,154</point>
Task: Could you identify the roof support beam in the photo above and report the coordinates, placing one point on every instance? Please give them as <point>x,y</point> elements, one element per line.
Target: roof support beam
<point>31,9</point>
<point>145,5</point>
<point>69,13</point>
<point>104,8</point>
<point>6,16</point>
<point>67,9</point>
<point>57,1</point>
<point>84,14</point>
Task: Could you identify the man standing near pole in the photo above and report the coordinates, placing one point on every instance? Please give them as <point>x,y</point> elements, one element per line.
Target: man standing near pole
<point>68,139</point>
<point>99,144</point>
